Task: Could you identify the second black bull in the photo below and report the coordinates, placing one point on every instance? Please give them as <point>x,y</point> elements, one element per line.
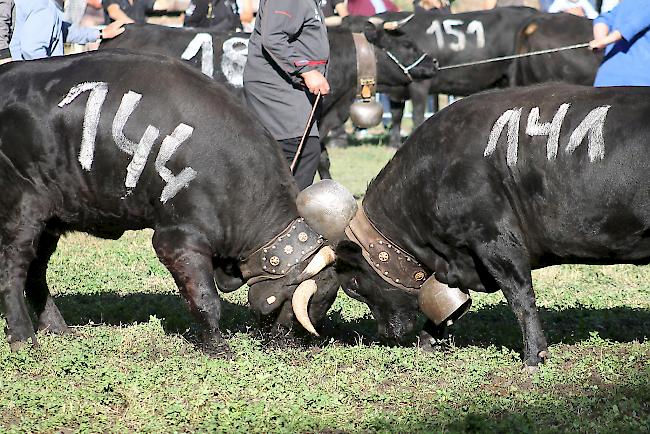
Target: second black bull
<point>111,141</point>
<point>223,57</point>
<point>493,186</point>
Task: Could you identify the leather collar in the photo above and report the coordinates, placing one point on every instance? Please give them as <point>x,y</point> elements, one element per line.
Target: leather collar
<point>366,67</point>
<point>389,261</point>
<point>276,258</point>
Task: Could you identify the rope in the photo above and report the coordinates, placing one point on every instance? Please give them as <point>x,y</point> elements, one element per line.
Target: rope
<point>304,135</point>
<point>515,56</point>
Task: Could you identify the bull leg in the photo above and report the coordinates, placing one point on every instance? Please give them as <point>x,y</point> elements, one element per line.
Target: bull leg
<point>419,101</point>
<point>188,257</point>
<point>510,268</point>
<point>37,291</point>
<point>324,163</point>
<point>396,112</point>
<point>15,256</point>
<point>337,138</point>
<point>432,336</point>
<point>435,106</point>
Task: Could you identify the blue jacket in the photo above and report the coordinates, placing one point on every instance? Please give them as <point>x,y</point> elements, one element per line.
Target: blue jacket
<point>40,30</point>
<point>627,62</point>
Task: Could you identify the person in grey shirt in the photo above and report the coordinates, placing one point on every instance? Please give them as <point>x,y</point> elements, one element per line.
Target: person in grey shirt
<point>288,53</point>
<point>6,19</point>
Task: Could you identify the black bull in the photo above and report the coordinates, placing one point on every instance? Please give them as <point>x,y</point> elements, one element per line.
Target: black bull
<point>545,31</point>
<point>204,49</point>
<point>504,182</point>
<point>107,142</point>
<point>473,36</point>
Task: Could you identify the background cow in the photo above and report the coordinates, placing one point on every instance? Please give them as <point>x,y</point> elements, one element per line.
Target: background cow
<point>453,39</point>
<point>501,183</point>
<point>544,31</point>
<point>223,57</point>
<point>109,141</point>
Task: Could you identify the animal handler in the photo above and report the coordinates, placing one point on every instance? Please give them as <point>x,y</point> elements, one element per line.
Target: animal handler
<point>41,30</point>
<point>288,53</point>
<point>6,27</point>
<point>624,33</point>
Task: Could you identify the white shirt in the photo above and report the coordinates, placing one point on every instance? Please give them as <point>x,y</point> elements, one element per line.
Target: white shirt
<point>608,5</point>
<point>562,5</point>
<point>378,5</point>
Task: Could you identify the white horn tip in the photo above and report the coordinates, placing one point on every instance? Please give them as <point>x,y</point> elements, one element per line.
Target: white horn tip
<point>300,302</point>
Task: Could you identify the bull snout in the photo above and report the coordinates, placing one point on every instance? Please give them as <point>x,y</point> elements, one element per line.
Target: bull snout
<point>394,330</point>
<point>428,68</point>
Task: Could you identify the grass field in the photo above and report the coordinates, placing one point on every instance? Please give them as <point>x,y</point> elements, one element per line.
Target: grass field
<point>130,366</point>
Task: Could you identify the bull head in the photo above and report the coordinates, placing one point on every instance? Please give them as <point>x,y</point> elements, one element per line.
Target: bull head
<point>327,207</point>
<point>274,270</point>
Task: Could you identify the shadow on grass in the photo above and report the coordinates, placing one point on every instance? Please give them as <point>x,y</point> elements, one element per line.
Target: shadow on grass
<point>113,309</point>
<point>492,325</point>
<point>496,325</point>
<point>613,408</point>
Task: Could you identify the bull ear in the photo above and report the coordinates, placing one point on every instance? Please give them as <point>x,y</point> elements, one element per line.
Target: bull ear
<point>264,299</point>
<point>373,34</point>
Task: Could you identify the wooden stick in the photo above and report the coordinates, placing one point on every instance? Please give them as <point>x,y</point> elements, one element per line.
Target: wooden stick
<point>304,135</point>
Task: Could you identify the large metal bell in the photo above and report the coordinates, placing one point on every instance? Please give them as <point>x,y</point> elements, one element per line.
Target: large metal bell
<point>366,114</point>
<point>442,304</point>
<point>327,207</point>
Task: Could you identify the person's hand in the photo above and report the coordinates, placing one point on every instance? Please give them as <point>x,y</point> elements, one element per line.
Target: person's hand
<point>316,82</point>
<point>113,29</point>
<point>598,44</point>
<point>246,16</point>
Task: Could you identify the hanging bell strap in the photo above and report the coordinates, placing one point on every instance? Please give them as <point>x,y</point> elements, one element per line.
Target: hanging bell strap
<point>366,67</point>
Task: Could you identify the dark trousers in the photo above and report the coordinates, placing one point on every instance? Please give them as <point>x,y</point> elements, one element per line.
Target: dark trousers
<point>307,164</point>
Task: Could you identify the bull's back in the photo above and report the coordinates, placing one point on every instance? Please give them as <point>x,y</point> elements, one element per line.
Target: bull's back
<point>578,186</point>
<point>123,138</point>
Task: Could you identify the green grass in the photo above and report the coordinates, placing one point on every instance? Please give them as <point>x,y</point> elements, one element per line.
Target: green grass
<point>130,366</point>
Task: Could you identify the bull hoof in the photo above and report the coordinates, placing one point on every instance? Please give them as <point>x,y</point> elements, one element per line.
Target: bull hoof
<point>532,363</point>
<point>55,329</point>
<point>338,142</point>
<point>215,346</point>
<point>395,144</point>
<point>18,346</point>
<point>531,369</point>
<point>51,324</point>
<point>432,345</point>
<point>544,355</point>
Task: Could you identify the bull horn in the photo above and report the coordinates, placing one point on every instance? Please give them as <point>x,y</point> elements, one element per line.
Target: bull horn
<point>300,302</point>
<point>322,259</point>
<point>376,21</point>
<point>394,25</point>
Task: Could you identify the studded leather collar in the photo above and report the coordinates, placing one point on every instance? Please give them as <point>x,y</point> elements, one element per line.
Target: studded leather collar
<point>390,261</point>
<point>274,259</point>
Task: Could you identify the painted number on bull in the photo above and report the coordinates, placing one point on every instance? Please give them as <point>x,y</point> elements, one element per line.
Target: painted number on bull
<point>233,59</point>
<point>452,28</point>
<point>592,127</point>
<point>202,42</point>
<point>139,151</point>
<point>233,62</point>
